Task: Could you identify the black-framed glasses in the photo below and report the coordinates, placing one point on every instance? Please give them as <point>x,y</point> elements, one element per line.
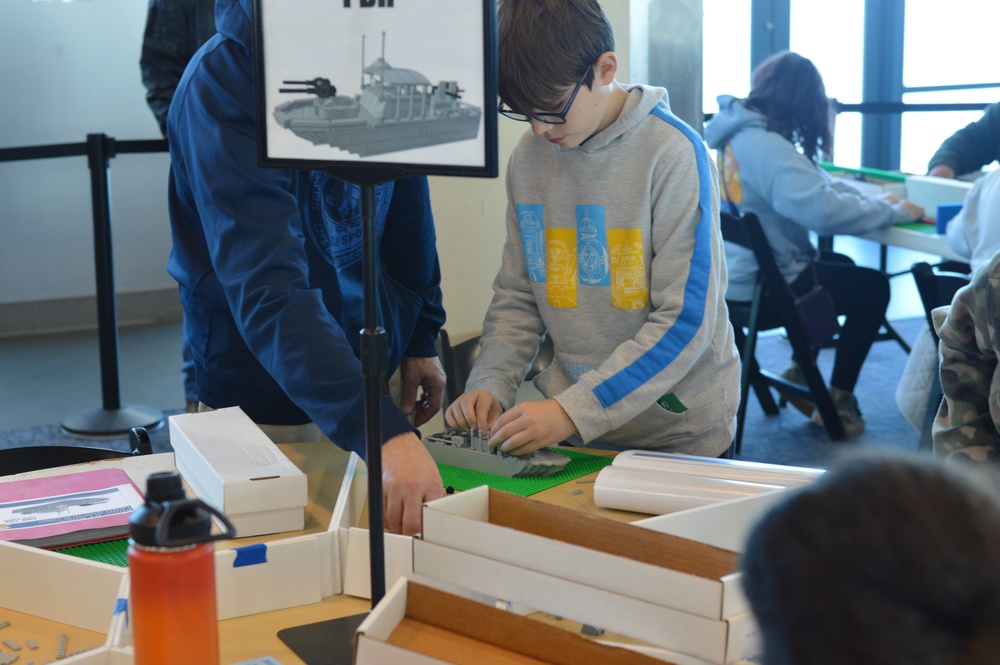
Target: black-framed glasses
<point>547,118</point>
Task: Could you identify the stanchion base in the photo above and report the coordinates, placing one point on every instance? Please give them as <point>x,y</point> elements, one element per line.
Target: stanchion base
<point>100,423</point>
<point>328,642</point>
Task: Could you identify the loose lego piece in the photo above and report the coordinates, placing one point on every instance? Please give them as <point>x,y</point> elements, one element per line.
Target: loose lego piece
<point>32,644</point>
<point>12,645</point>
<point>7,658</point>
<point>471,450</point>
<point>61,649</point>
<point>591,630</point>
<point>4,624</point>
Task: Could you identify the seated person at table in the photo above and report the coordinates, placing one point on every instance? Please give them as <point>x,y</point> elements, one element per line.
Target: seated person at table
<point>613,249</point>
<point>968,422</point>
<point>768,147</point>
<point>975,231</point>
<point>269,265</point>
<point>970,148</point>
<point>882,561</point>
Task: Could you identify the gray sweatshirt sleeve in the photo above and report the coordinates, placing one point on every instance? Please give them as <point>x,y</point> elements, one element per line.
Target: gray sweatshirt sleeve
<point>513,327</point>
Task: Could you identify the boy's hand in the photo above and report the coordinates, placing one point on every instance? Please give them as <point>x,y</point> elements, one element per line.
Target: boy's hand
<point>409,478</point>
<point>530,426</point>
<point>474,410</point>
<point>912,209</point>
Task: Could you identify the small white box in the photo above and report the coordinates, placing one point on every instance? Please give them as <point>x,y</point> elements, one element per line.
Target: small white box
<point>417,623</point>
<point>64,589</point>
<point>930,191</point>
<point>559,542</point>
<point>232,465</point>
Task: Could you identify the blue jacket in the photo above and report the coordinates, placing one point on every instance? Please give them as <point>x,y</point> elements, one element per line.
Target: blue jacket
<point>269,261</point>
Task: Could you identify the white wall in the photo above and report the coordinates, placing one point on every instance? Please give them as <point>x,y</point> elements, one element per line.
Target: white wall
<point>70,69</point>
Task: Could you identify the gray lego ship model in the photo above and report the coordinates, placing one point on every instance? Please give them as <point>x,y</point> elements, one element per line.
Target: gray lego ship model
<point>468,450</point>
<point>398,109</point>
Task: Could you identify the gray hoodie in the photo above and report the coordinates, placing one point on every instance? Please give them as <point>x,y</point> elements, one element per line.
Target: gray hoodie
<point>765,174</point>
<point>614,249</point>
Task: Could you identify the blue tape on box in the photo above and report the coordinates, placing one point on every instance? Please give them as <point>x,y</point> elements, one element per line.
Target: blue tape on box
<point>945,212</point>
<point>250,555</point>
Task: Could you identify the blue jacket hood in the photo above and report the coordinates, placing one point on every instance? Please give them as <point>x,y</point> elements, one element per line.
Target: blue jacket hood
<point>232,20</point>
<point>731,118</point>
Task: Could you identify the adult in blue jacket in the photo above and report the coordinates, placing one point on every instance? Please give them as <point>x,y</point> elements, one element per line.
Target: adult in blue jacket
<point>269,264</point>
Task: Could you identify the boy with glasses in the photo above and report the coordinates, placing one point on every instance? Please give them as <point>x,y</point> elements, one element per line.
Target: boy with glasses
<point>613,249</point>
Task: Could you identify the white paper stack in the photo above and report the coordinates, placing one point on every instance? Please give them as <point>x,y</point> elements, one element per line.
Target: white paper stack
<point>660,483</point>
<point>662,492</point>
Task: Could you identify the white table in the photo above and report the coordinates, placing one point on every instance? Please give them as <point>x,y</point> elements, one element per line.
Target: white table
<point>930,243</point>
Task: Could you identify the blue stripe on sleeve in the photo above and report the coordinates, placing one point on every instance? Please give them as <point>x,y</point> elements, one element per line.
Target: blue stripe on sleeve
<point>666,350</point>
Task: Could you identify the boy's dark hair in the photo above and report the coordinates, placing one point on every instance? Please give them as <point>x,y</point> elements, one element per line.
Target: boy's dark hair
<point>545,48</point>
<point>888,559</point>
<point>788,89</point>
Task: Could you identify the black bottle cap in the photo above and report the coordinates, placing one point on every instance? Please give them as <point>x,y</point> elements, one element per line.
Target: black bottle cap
<point>190,522</point>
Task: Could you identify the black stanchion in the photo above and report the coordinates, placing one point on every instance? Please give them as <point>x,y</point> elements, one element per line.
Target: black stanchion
<point>112,418</point>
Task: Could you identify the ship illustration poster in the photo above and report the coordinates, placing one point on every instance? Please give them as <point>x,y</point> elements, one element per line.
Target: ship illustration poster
<point>369,82</point>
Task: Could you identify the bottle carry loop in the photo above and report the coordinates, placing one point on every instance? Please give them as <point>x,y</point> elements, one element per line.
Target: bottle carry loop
<point>171,508</point>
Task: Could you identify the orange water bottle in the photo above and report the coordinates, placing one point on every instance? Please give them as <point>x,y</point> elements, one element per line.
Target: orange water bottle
<point>171,561</point>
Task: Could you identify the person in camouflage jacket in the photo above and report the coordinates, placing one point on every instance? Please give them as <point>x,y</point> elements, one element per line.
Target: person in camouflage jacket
<point>968,421</point>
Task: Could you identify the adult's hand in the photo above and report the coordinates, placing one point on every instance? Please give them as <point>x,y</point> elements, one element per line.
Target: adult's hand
<point>423,388</point>
<point>474,410</point>
<point>942,171</point>
<point>409,479</point>
<point>530,426</point>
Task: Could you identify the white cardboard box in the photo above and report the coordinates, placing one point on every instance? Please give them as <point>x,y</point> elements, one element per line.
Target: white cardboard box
<point>232,465</point>
<point>270,572</point>
<point>64,589</point>
<point>559,542</point>
<point>716,641</point>
<point>417,623</point>
<point>712,467</point>
<point>930,191</point>
<point>273,572</point>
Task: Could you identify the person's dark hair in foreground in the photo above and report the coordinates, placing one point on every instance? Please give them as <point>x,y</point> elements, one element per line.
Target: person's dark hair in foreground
<point>883,560</point>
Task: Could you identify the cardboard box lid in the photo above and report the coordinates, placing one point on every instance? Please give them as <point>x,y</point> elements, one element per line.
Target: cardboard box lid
<point>608,536</point>
<point>231,464</point>
<point>456,629</point>
<point>658,568</point>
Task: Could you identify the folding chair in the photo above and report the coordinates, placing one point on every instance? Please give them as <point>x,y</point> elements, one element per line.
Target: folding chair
<point>772,306</point>
<point>937,286</point>
<point>34,458</point>
<point>457,362</point>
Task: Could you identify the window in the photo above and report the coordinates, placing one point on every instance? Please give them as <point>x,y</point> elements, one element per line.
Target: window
<point>943,50</point>
<point>820,34</point>
<point>726,44</point>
